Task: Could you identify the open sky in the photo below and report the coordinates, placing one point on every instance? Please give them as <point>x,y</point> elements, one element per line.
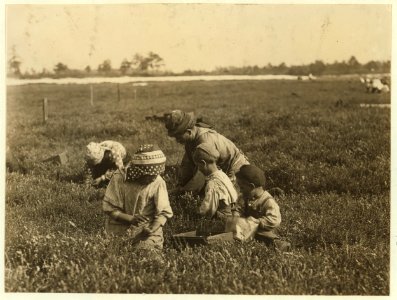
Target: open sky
<point>197,36</point>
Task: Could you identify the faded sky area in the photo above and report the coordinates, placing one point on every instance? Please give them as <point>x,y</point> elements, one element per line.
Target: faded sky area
<point>197,36</point>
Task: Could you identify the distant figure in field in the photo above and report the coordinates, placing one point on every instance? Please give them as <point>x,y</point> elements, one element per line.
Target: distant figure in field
<point>386,83</point>
<point>310,77</point>
<point>136,200</point>
<point>102,160</point>
<point>220,194</point>
<point>375,85</point>
<point>259,206</point>
<point>184,128</point>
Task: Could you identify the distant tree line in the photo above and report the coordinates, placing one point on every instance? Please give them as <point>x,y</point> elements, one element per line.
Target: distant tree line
<point>317,68</point>
<point>152,64</point>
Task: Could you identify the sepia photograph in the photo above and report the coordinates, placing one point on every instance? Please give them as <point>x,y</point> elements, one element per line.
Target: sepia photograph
<point>198,148</point>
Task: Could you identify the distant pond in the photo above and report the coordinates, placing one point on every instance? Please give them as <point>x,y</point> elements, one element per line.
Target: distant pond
<point>127,79</point>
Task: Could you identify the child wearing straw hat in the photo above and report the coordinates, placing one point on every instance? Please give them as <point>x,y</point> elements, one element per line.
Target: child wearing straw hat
<point>136,201</point>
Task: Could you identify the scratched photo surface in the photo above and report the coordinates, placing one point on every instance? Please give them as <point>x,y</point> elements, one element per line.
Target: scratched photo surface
<point>294,99</point>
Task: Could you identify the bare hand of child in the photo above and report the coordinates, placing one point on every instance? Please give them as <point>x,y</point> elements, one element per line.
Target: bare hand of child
<point>235,213</point>
<point>252,219</point>
<point>96,181</point>
<point>152,228</point>
<point>138,219</point>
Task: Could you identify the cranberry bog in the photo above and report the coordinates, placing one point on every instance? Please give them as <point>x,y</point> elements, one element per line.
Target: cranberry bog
<point>329,155</point>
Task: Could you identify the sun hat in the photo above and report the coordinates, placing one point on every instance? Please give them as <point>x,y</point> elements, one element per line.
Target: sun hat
<point>177,122</point>
<point>94,153</point>
<point>147,160</point>
<point>117,150</point>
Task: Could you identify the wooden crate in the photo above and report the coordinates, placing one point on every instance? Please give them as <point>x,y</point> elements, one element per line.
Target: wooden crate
<point>191,239</point>
<point>61,158</point>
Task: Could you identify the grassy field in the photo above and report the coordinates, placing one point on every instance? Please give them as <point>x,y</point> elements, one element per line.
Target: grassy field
<point>331,157</point>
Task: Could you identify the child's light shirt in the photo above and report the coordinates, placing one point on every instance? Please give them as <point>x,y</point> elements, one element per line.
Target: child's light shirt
<point>219,194</point>
<point>133,198</point>
<point>266,210</point>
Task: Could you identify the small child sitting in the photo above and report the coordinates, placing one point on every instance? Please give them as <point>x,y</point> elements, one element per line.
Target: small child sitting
<point>220,194</point>
<point>136,201</point>
<point>259,206</point>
